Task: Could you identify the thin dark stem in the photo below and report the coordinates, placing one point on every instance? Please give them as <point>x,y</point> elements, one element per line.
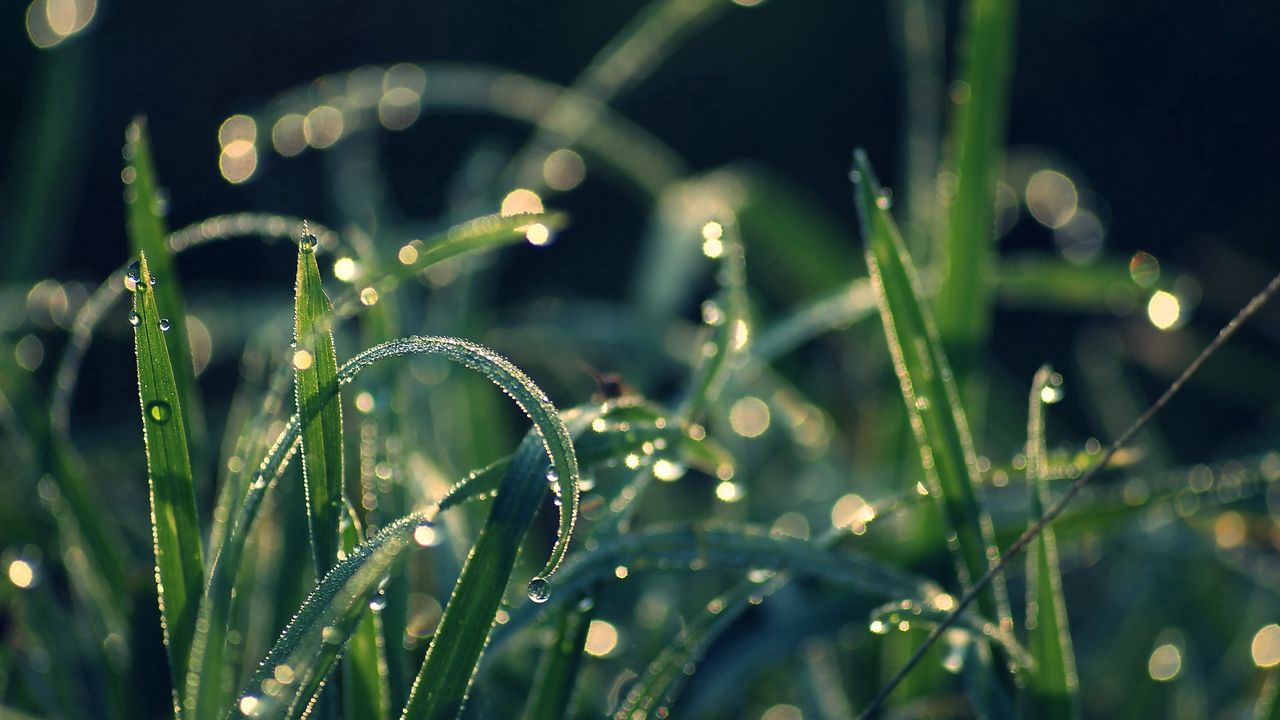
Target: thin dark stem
<point>1058,507</point>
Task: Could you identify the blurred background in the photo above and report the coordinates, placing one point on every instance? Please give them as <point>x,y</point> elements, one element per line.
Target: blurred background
<point>1140,161</point>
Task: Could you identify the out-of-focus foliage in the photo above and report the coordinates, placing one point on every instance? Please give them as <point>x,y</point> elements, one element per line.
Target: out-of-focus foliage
<point>723,490</point>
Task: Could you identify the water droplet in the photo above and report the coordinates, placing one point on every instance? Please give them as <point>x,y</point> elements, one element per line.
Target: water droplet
<point>152,281</point>
<point>134,273</point>
<point>539,590</point>
<point>711,313</point>
<point>134,319</point>
<point>884,200</point>
<point>1052,390</point>
<point>159,411</point>
<point>331,635</point>
<point>378,602</point>
<point>164,325</point>
<point>307,242</point>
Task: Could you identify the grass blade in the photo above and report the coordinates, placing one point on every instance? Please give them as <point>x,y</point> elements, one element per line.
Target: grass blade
<point>1052,683</point>
<point>290,676</point>
<point>933,405</point>
<point>319,407</point>
<point>977,131</point>
<point>364,663</point>
<point>174,522</point>
<point>145,222</point>
<point>557,673</point>
<point>445,676</point>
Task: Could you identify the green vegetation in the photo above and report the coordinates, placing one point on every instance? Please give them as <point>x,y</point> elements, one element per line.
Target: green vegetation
<point>779,509</point>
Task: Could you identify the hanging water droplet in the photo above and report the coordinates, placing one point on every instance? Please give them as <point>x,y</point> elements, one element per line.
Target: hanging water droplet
<point>165,325</point>
<point>151,281</point>
<point>159,411</point>
<point>133,277</point>
<point>378,602</point>
<point>307,242</point>
<point>539,590</point>
<point>134,319</point>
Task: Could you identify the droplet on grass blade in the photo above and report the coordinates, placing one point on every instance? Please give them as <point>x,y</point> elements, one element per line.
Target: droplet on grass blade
<point>539,590</point>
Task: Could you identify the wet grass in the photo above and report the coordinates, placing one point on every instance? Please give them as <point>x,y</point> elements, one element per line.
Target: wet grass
<point>781,508</point>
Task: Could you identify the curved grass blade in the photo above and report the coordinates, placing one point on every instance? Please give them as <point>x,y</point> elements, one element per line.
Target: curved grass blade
<point>933,403</point>
<point>549,428</point>
<point>364,686</point>
<point>628,58</point>
<point>977,132</point>
<point>482,233</point>
<point>289,677</point>
<point>1052,684</point>
<point>175,525</point>
<point>443,681</point>
<point>147,233</point>
<point>928,612</point>
<point>319,407</point>
<point>312,642</point>
<point>557,673</point>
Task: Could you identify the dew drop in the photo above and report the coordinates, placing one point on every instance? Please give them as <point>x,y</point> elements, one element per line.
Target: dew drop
<point>152,280</point>
<point>134,319</point>
<point>159,411</point>
<point>307,242</point>
<point>331,635</point>
<point>884,200</point>
<point>165,325</point>
<point>378,602</point>
<point>539,590</point>
<point>134,273</point>
<point>1052,390</point>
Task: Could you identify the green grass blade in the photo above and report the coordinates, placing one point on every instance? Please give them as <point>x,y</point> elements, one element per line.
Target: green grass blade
<point>174,522</point>
<point>1268,705</point>
<point>445,676</point>
<point>319,407</point>
<point>976,135</point>
<point>557,672</point>
<point>728,320</point>
<point>1052,684</point>
<point>925,614</point>
<point>364,662</point>
<point>289,677</point>
<point>933,404</point>
<point>147,234</point>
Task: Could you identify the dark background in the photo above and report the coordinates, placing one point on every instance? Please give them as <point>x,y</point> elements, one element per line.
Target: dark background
<point>1165,111</point>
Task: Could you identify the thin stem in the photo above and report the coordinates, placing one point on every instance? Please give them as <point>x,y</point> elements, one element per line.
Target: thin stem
<point>1058,507</point>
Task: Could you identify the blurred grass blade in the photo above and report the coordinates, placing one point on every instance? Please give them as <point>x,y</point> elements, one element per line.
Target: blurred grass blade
<point>933,405</point>
<point>1052,684</point>
<point>926,613</point>
<point>445,676</point>
<point>333,613</point>
<point>727,317</point>
<point>1268,705</point>
<point>289,677</point>
<point>315,368</point>
<point>364,662</point>
<point>557,673</point>
<point>976,134</point>
<point>144,218</point>
<point>175,524</point>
